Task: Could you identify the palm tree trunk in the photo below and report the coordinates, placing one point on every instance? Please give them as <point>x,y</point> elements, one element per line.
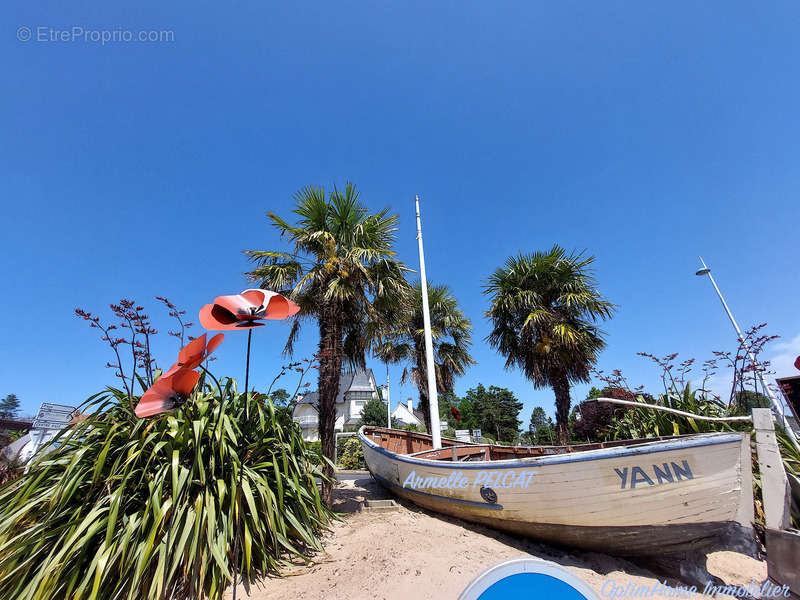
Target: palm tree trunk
<point>330,368</point>
<point>561,388</point>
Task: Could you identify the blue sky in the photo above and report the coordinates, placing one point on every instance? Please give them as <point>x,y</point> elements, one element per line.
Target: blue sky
<point>644,134</point>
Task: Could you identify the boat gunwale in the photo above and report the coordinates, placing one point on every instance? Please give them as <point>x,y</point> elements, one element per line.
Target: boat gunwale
<point>655,446</point>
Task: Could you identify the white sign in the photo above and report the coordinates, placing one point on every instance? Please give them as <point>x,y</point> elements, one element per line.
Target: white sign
<point>462,435</point>
<point>50,419</point>
<point>53,416</point>
<point>476,433</point>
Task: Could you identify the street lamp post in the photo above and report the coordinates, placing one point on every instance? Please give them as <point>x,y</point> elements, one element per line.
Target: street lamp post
<point>759,371</point>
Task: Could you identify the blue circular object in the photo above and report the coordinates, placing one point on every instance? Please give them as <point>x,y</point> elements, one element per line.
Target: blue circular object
<point>527,579</point>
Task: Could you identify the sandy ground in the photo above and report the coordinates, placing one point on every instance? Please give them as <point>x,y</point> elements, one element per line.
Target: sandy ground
<point>411,554</point>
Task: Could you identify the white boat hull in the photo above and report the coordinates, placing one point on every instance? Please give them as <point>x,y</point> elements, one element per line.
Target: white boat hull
<point>646,498</point>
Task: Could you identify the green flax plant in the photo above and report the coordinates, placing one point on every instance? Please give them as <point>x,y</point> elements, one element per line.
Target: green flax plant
<point>645,422</point>
<point>678,394</point>
<point>123,508</point>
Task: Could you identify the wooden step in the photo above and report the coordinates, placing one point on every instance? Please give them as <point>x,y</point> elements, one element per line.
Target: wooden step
<point>380,505</point>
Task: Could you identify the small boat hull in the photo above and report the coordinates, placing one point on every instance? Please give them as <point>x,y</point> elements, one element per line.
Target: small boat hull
<point>642,498</point>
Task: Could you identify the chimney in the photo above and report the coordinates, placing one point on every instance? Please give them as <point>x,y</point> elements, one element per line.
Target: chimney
<point>411,406</point>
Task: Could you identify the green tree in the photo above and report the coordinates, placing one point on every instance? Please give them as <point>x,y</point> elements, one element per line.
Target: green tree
<point>744,401</point>
<point>496,410</point>
<point>469,419</point>
<point>343,274</point>
<point>279,397</point>
<point>544,309</point>
<point>9,406</point>
<point>540,428</point>
<point>451,332</point>
<point>374,413</point>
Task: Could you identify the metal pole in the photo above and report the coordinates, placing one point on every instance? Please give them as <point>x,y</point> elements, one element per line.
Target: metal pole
<point>770,394</point>
<point>388,400</point>
<point>433,400</point>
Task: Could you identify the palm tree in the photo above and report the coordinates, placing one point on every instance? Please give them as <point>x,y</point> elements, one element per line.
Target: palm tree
<point>543,313</point>
<point>451,332</point>
<point>342,273</point>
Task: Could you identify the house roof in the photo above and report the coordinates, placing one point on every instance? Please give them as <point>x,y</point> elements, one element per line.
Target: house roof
<point>401,410</point>
<point>359,380</point>
<point>15,424</point>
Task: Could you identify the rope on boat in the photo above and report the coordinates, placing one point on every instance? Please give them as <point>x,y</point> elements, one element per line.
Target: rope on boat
<point>746,418</point>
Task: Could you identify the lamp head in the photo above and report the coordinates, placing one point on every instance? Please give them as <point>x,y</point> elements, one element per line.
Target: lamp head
<point>703,271</point>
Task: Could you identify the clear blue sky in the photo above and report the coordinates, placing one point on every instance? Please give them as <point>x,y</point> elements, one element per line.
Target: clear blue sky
<point>645,134</point>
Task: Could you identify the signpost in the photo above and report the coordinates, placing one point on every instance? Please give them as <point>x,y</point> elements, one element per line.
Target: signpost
<point>50,419</point>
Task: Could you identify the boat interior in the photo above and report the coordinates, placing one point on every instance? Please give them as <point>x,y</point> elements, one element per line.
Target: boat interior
<point>420,445</point>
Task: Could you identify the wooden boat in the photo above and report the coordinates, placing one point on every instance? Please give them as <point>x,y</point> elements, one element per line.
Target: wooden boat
<point>632,497</point>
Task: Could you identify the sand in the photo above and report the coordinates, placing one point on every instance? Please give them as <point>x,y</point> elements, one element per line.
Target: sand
<point>412,554</point>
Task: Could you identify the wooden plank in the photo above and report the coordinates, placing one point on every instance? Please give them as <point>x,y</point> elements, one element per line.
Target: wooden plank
<point>774,485</point>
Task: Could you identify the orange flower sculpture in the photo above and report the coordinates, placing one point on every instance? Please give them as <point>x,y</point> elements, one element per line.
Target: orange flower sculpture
<point>175,386</point>
<point>245,310</point>
<point>194,353</point>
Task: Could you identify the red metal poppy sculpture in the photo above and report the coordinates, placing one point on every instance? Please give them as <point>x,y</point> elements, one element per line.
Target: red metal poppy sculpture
<point>245,310</point>
<point>175,386</point>
<point>167,393</point>
<point>195,352</point>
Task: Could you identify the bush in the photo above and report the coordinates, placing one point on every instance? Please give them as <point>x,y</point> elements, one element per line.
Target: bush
<point>8,470</point>
<point>414,428</point>
<point>119,507</point>
<point>595,420</point>
<point>374,413</point>
<point>315,447</point>
<point>350,454</point>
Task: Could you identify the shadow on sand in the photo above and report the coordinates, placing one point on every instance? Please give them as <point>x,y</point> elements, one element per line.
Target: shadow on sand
<point>680,570</point>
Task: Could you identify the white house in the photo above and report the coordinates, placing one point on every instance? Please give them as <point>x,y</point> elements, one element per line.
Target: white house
<point>356,388</point>
<point>406,415</point>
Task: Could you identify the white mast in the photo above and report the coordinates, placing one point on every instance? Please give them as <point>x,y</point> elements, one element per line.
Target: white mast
<point>388,400</point>
<point>433,399</point>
